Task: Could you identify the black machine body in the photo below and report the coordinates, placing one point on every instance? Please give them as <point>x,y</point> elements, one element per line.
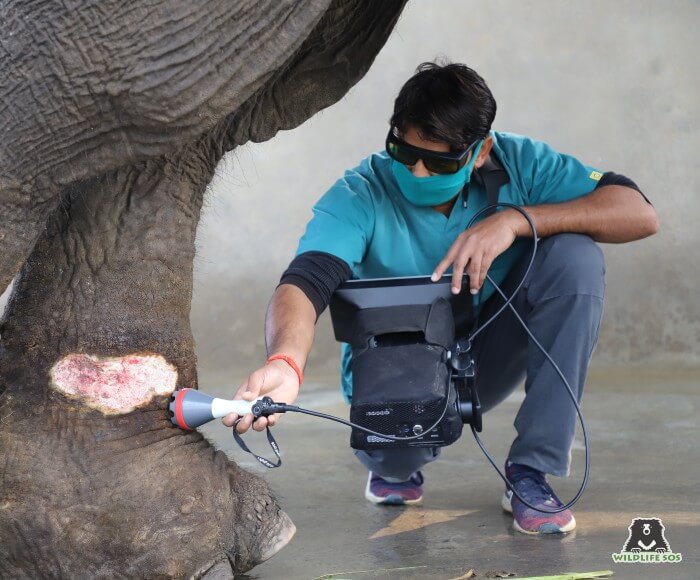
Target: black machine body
<point>412,380</point>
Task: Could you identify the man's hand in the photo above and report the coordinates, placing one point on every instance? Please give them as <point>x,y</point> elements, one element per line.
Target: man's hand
<point>476,248</point>
<point>276,380</point>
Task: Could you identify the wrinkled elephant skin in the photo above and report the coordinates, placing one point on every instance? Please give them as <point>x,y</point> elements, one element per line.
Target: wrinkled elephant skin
<point>113,117</point>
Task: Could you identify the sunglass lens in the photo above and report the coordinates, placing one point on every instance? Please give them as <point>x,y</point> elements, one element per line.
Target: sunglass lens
<point>401,154</point>
<point>442,166</point>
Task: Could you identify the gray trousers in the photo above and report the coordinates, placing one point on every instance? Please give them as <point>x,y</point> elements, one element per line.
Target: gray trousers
<point>561,301</point>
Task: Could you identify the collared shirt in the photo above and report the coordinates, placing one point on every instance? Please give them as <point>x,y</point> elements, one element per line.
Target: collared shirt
<point>365,220</point>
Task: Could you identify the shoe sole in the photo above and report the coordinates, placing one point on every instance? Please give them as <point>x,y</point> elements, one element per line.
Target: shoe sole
<point>392,499</point>
<point>544,528</point>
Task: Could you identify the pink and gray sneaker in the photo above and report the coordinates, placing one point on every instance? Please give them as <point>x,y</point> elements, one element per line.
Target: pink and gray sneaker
<point>381,491</point>
<point>533,487</point>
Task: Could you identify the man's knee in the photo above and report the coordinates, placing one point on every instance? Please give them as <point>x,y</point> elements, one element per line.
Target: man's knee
<point>568,264</point>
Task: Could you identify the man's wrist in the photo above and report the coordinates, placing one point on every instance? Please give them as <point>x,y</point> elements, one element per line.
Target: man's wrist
<point>290,362</point>
<point>517,222</point>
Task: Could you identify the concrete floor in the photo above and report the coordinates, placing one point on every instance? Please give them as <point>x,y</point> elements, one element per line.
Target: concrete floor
<point>645,462</point>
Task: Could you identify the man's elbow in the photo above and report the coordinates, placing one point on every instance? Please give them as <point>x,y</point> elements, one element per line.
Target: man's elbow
<point>648,221</point>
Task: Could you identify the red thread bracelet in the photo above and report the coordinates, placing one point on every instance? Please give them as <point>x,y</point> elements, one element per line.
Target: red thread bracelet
<point>290,361</point>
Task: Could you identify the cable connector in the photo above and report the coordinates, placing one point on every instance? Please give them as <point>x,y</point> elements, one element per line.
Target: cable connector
<point>266,407</point>
<point>461,359</point>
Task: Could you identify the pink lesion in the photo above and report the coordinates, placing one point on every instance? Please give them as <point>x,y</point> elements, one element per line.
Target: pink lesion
<point>114,384</point>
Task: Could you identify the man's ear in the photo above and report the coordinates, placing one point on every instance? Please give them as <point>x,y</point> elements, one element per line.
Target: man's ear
<point>484,153</point>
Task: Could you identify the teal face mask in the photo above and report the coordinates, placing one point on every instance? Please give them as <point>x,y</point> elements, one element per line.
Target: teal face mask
<point>436,189</point>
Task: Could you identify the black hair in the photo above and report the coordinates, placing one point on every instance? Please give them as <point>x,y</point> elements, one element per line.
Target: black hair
<point>445,102</point>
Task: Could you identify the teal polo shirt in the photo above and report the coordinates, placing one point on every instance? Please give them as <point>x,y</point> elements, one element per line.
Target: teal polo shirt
<point>365,220</point>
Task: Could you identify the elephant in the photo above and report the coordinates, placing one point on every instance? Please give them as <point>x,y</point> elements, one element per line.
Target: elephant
<point>113,117</point>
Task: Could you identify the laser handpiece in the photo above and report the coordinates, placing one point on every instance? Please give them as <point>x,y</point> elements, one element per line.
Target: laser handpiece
<point>190,408</point>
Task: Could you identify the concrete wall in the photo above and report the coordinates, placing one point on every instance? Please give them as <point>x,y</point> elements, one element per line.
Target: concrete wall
<point>614,83</point>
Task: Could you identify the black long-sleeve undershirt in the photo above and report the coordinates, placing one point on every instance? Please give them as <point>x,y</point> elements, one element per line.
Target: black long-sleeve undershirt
<point>318,274</point>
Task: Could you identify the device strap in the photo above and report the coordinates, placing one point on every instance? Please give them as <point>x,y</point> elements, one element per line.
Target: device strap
<point>271,440</point>
<point>492,175</point>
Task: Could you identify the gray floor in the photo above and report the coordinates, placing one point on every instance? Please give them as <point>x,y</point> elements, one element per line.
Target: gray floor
<point>645,462</point>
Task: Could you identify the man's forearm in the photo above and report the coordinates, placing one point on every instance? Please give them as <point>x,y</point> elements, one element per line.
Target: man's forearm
<point>290,324</point>
<point>609,214</point>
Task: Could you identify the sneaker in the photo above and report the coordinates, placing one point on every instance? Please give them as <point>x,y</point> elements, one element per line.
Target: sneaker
<point>533,487</point>
<point>381,491</point>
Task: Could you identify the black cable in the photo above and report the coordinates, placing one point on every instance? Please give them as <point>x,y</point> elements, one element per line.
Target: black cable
<point>527,270</point>
<point>507,304</point>
<point>584,483</point>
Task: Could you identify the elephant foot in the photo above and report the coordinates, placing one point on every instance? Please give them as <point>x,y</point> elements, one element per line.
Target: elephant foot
<point>97,482</point>
<point>285,532</point>
<point>266,526</point>
<point>220,571</point>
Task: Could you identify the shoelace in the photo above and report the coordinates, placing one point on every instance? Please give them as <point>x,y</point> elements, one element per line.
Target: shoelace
<point>533,487</point>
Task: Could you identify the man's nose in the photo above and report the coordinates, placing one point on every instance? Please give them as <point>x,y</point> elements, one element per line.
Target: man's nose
<point>419,169</point>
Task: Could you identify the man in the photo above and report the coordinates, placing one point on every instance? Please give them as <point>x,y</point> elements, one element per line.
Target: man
<point>403,212</point>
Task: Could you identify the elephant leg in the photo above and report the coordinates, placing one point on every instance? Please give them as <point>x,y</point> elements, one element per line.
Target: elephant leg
<point>83,97</point>
<point>80,97</point>
<point>101,185</point>
<point>97,482</point>
<point>23,215</point>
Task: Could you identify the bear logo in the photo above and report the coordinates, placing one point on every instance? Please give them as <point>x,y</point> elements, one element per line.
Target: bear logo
<point>646,535</point>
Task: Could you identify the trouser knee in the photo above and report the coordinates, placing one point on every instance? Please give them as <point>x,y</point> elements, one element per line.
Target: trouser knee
<point>567,264</point>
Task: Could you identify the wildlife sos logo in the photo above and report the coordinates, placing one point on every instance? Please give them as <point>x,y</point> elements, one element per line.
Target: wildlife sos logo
<point>646,544</point>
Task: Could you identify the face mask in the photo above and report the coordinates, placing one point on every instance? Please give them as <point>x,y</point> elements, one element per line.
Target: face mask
<point>436,189</point>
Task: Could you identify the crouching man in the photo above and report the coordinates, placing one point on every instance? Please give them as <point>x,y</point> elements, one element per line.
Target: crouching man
<point>403,212</point>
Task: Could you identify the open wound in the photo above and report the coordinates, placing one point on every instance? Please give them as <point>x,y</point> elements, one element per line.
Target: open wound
<point>113,385</point>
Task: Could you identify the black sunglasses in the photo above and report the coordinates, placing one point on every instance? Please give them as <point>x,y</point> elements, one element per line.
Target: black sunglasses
<point>435,162</point>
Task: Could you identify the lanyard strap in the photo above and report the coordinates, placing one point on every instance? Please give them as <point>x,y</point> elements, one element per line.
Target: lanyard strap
<point>271,440</point>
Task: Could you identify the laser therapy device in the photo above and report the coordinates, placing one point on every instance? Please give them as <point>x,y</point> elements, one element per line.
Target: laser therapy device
<point>414,377</point>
